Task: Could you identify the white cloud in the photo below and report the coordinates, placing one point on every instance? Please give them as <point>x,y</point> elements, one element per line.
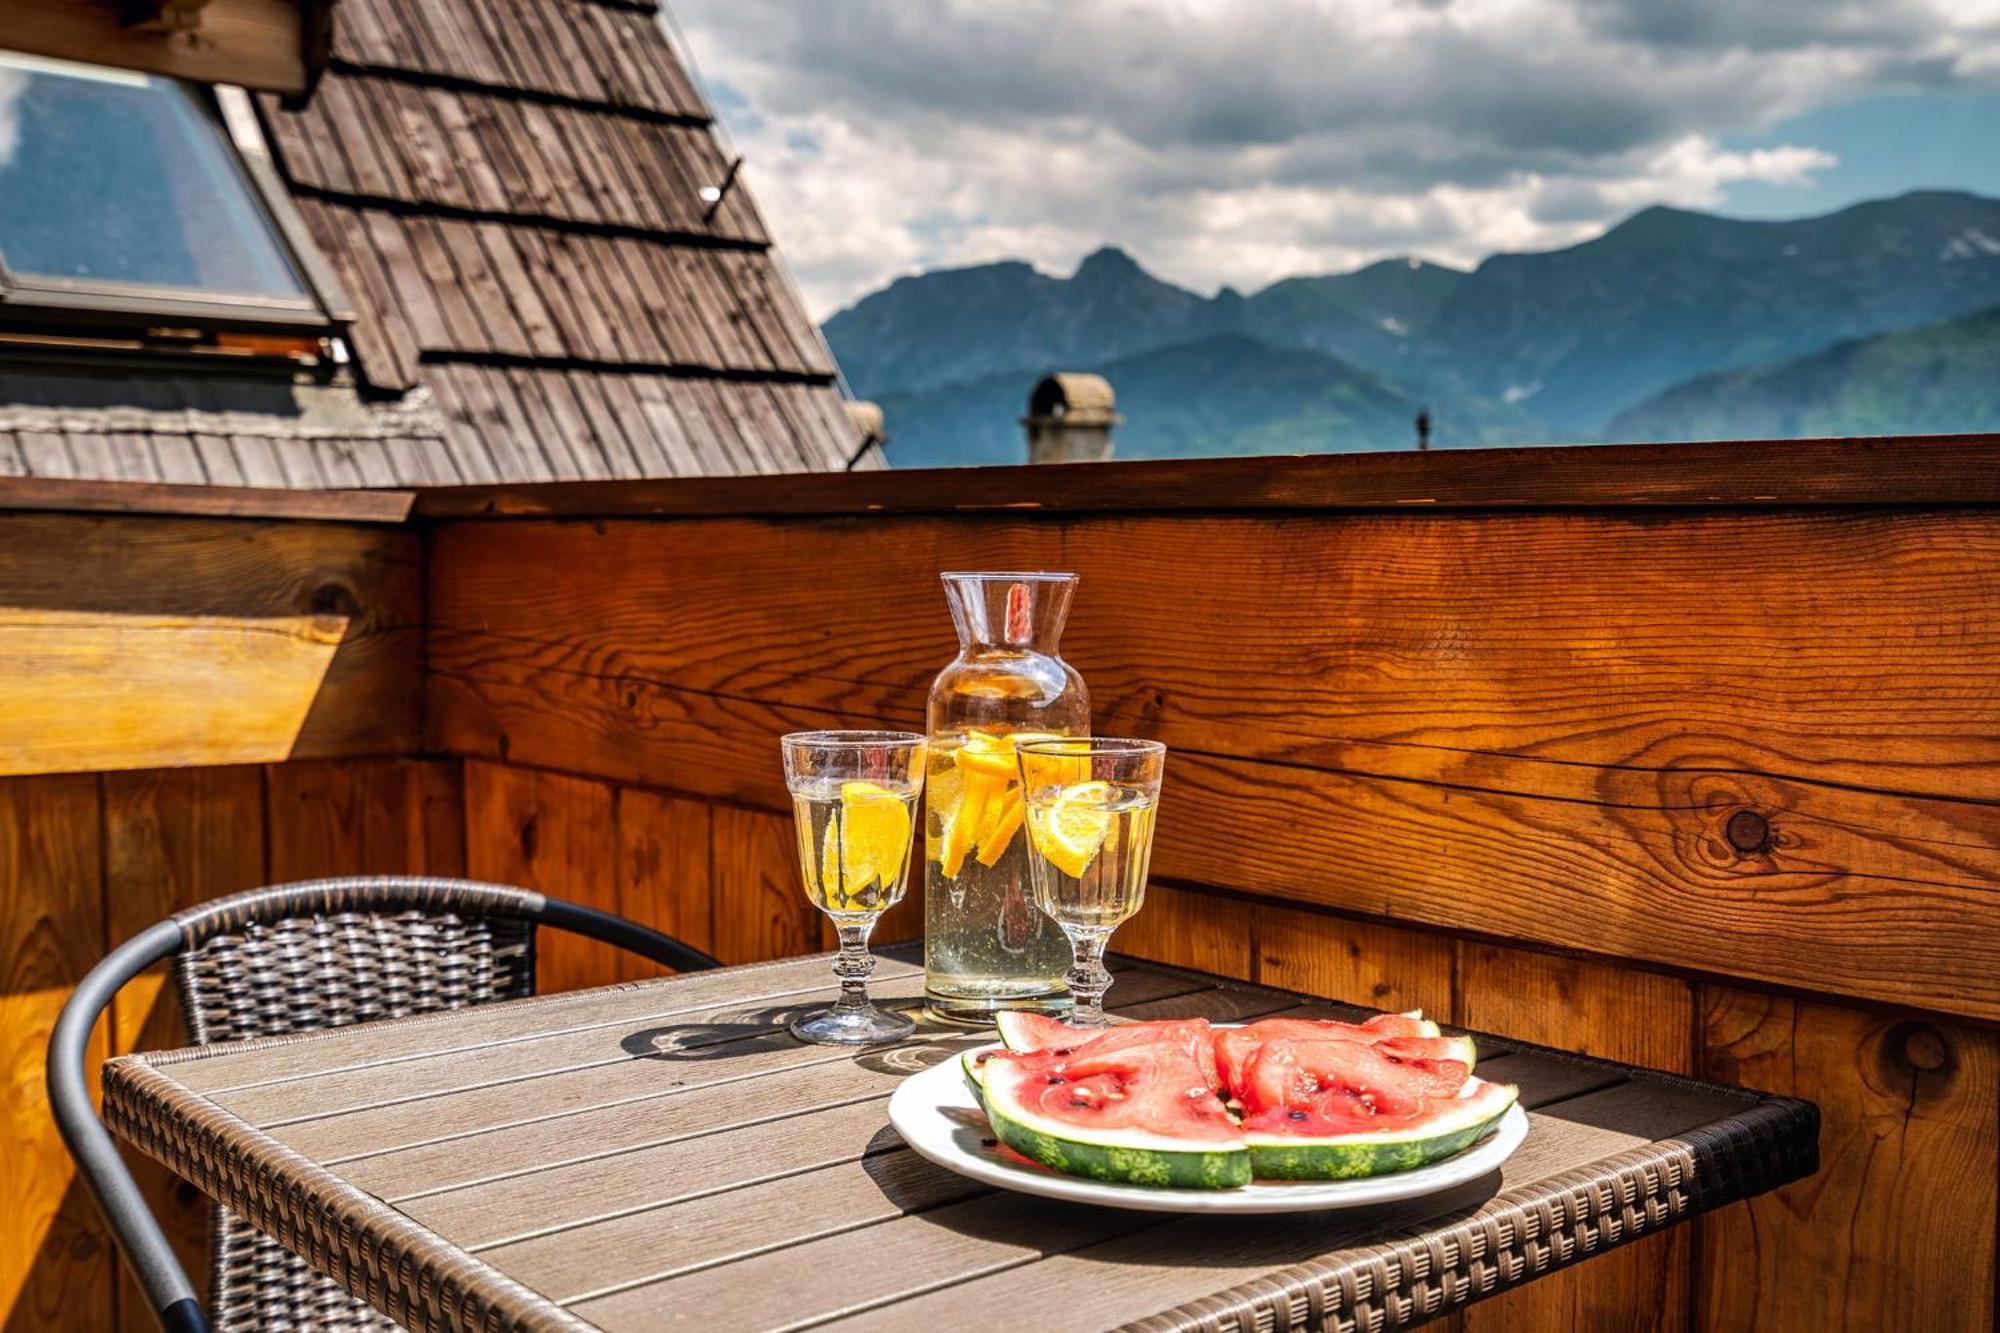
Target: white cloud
<point>13,85</point>
<point>1237,141</point>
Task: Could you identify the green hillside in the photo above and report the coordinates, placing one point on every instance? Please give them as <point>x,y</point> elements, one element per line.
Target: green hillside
<point>1222,395</point>
<point>1941,378</point>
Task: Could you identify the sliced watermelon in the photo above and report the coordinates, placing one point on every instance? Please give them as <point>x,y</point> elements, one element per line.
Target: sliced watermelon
<point>1338,1140</point>
<point>1033,1034</point>
<point>1141,1115</point>
<point>1286,1074</point>
<point>1404,1037</point>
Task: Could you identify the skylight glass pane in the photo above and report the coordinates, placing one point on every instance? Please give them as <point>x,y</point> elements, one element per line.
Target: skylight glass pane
<point>109,178</point>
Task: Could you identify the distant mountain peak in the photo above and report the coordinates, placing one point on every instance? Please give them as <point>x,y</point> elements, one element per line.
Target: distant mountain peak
<point>1108,261</point>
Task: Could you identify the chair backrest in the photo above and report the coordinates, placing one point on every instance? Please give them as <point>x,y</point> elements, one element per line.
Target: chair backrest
<point>297,958</point>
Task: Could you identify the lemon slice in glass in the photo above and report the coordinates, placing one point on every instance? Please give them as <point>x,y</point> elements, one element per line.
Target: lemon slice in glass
<point>870,844</point>
<point>1070,829</point>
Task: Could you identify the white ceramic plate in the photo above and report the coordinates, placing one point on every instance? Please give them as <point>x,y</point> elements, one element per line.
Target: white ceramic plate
<point>936,1115</point>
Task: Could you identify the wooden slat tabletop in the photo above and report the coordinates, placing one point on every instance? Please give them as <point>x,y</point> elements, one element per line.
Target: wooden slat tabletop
<point>663,1155</point>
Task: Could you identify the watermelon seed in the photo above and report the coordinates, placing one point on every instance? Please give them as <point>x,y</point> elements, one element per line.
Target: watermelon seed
<point>1057,1078</point>
<point>1297,1115</point>
<point>989,1143</point>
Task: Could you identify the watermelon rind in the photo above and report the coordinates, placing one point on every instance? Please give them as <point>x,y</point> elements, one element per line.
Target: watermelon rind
<point>1456,1125</point>
<point>1125,1156</point>
<point>970,1066</point>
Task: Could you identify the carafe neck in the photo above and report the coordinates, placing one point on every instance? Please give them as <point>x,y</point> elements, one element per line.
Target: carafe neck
<point>1015,612</point>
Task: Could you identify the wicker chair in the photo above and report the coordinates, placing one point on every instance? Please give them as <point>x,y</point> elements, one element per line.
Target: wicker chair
<point>295,958</point>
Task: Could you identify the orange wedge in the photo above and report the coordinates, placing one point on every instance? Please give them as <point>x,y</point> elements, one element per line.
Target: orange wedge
<point>962,823</point>
<point>998,836</point>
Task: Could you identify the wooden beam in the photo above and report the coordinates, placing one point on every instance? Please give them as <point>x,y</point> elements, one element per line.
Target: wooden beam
<point>143,642</point>
<point>260,44</point>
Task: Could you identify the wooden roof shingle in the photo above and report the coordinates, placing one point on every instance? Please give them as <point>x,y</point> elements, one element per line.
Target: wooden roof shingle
<point>511,194</point>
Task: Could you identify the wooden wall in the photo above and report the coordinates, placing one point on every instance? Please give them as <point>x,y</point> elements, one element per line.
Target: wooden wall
<point>275,663</point>
<point>87,860</point>
<point>1710,789</point>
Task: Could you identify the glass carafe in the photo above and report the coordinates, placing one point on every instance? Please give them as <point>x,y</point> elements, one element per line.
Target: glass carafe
<point>986,946</point>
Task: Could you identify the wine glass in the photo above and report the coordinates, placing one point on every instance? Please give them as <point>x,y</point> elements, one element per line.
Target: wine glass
<point>1091,803</point>
<point>854,800</point>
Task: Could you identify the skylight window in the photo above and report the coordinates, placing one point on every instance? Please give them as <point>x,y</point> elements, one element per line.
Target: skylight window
<point>123,194</point>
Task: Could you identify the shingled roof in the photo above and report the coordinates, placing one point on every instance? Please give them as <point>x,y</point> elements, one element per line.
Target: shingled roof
<point>519,199</point>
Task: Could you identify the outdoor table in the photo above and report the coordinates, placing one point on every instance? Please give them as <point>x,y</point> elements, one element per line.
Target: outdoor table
<point>662,1154</point>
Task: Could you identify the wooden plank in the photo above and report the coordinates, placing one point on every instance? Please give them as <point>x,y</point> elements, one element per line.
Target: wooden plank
<point>515,1062</point>
<point>55,1255</point>
<point>1187,929</point>
<point>365,817</point>
<point>666,1242</point>
<point>660,1243</point>
<point>366,1044</point>
<point>172,838</point>
<point>1618,1014</point>
<point>749,1054</point>
<point>1362,962</point>
<point>1896,1231</point>
<point>820,1279</point>
<point>1937,470</point>
<point>1410,702</point>
<point>760,904</point>
<point>663,869</point>
<point>545,1144</point>
<point>132,642</point>
<point>560,1197</point>
<point>251,43</point>
<point>557,834</point>
<point>533,1130</point>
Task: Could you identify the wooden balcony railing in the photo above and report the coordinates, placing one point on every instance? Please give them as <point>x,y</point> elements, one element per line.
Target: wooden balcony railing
<point>1683,756</point>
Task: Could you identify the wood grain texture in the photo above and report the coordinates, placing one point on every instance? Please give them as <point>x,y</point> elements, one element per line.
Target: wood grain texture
<point>55,1254</point>
<point>172,838</point>
<point>761,908</point>
<point>251,43</point>
<point>1617,1014</point>
<point>139,642</point>
<point>557,834</point>
<point>1362,962</point>
<point>366,817</point>
<point>1188,929</point>
<point>1564,717</point>
<point>1897,1230</point>
<point>1936,470</point>
<point>664,870</point>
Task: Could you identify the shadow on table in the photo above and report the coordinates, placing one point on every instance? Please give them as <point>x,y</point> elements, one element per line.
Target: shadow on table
<point>760,1030</point>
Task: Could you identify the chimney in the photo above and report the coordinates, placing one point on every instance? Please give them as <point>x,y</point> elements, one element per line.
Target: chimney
<point>866,420</point>
<point>1070,419</point>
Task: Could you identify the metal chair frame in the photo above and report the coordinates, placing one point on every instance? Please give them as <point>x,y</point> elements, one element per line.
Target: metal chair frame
<point>336,910</point>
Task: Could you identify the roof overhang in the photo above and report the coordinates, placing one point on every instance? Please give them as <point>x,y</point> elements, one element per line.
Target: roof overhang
<point>277,46</point>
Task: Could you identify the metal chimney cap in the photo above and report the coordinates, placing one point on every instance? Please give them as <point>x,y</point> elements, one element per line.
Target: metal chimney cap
<point>1072,399</point>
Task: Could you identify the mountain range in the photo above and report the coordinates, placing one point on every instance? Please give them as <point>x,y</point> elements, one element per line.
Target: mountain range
<point>1672,324</point>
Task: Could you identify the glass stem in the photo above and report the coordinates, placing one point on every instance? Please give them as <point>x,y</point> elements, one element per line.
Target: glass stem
<point>1087,978</point>
<point>854,964</point>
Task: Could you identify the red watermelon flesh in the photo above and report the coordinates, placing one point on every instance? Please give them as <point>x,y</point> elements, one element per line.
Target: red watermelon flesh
<point>1193,1036</point>
<point>1158,1088</point>
<point>1330,1087</point>
<point>1235,1046</point>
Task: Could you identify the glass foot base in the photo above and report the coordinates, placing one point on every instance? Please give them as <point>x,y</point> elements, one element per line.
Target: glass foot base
<point>866,1026</point>
<point>979,1011</point>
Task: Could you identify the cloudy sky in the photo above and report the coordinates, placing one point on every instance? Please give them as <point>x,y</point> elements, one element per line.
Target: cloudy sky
<point>1239,141</point>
